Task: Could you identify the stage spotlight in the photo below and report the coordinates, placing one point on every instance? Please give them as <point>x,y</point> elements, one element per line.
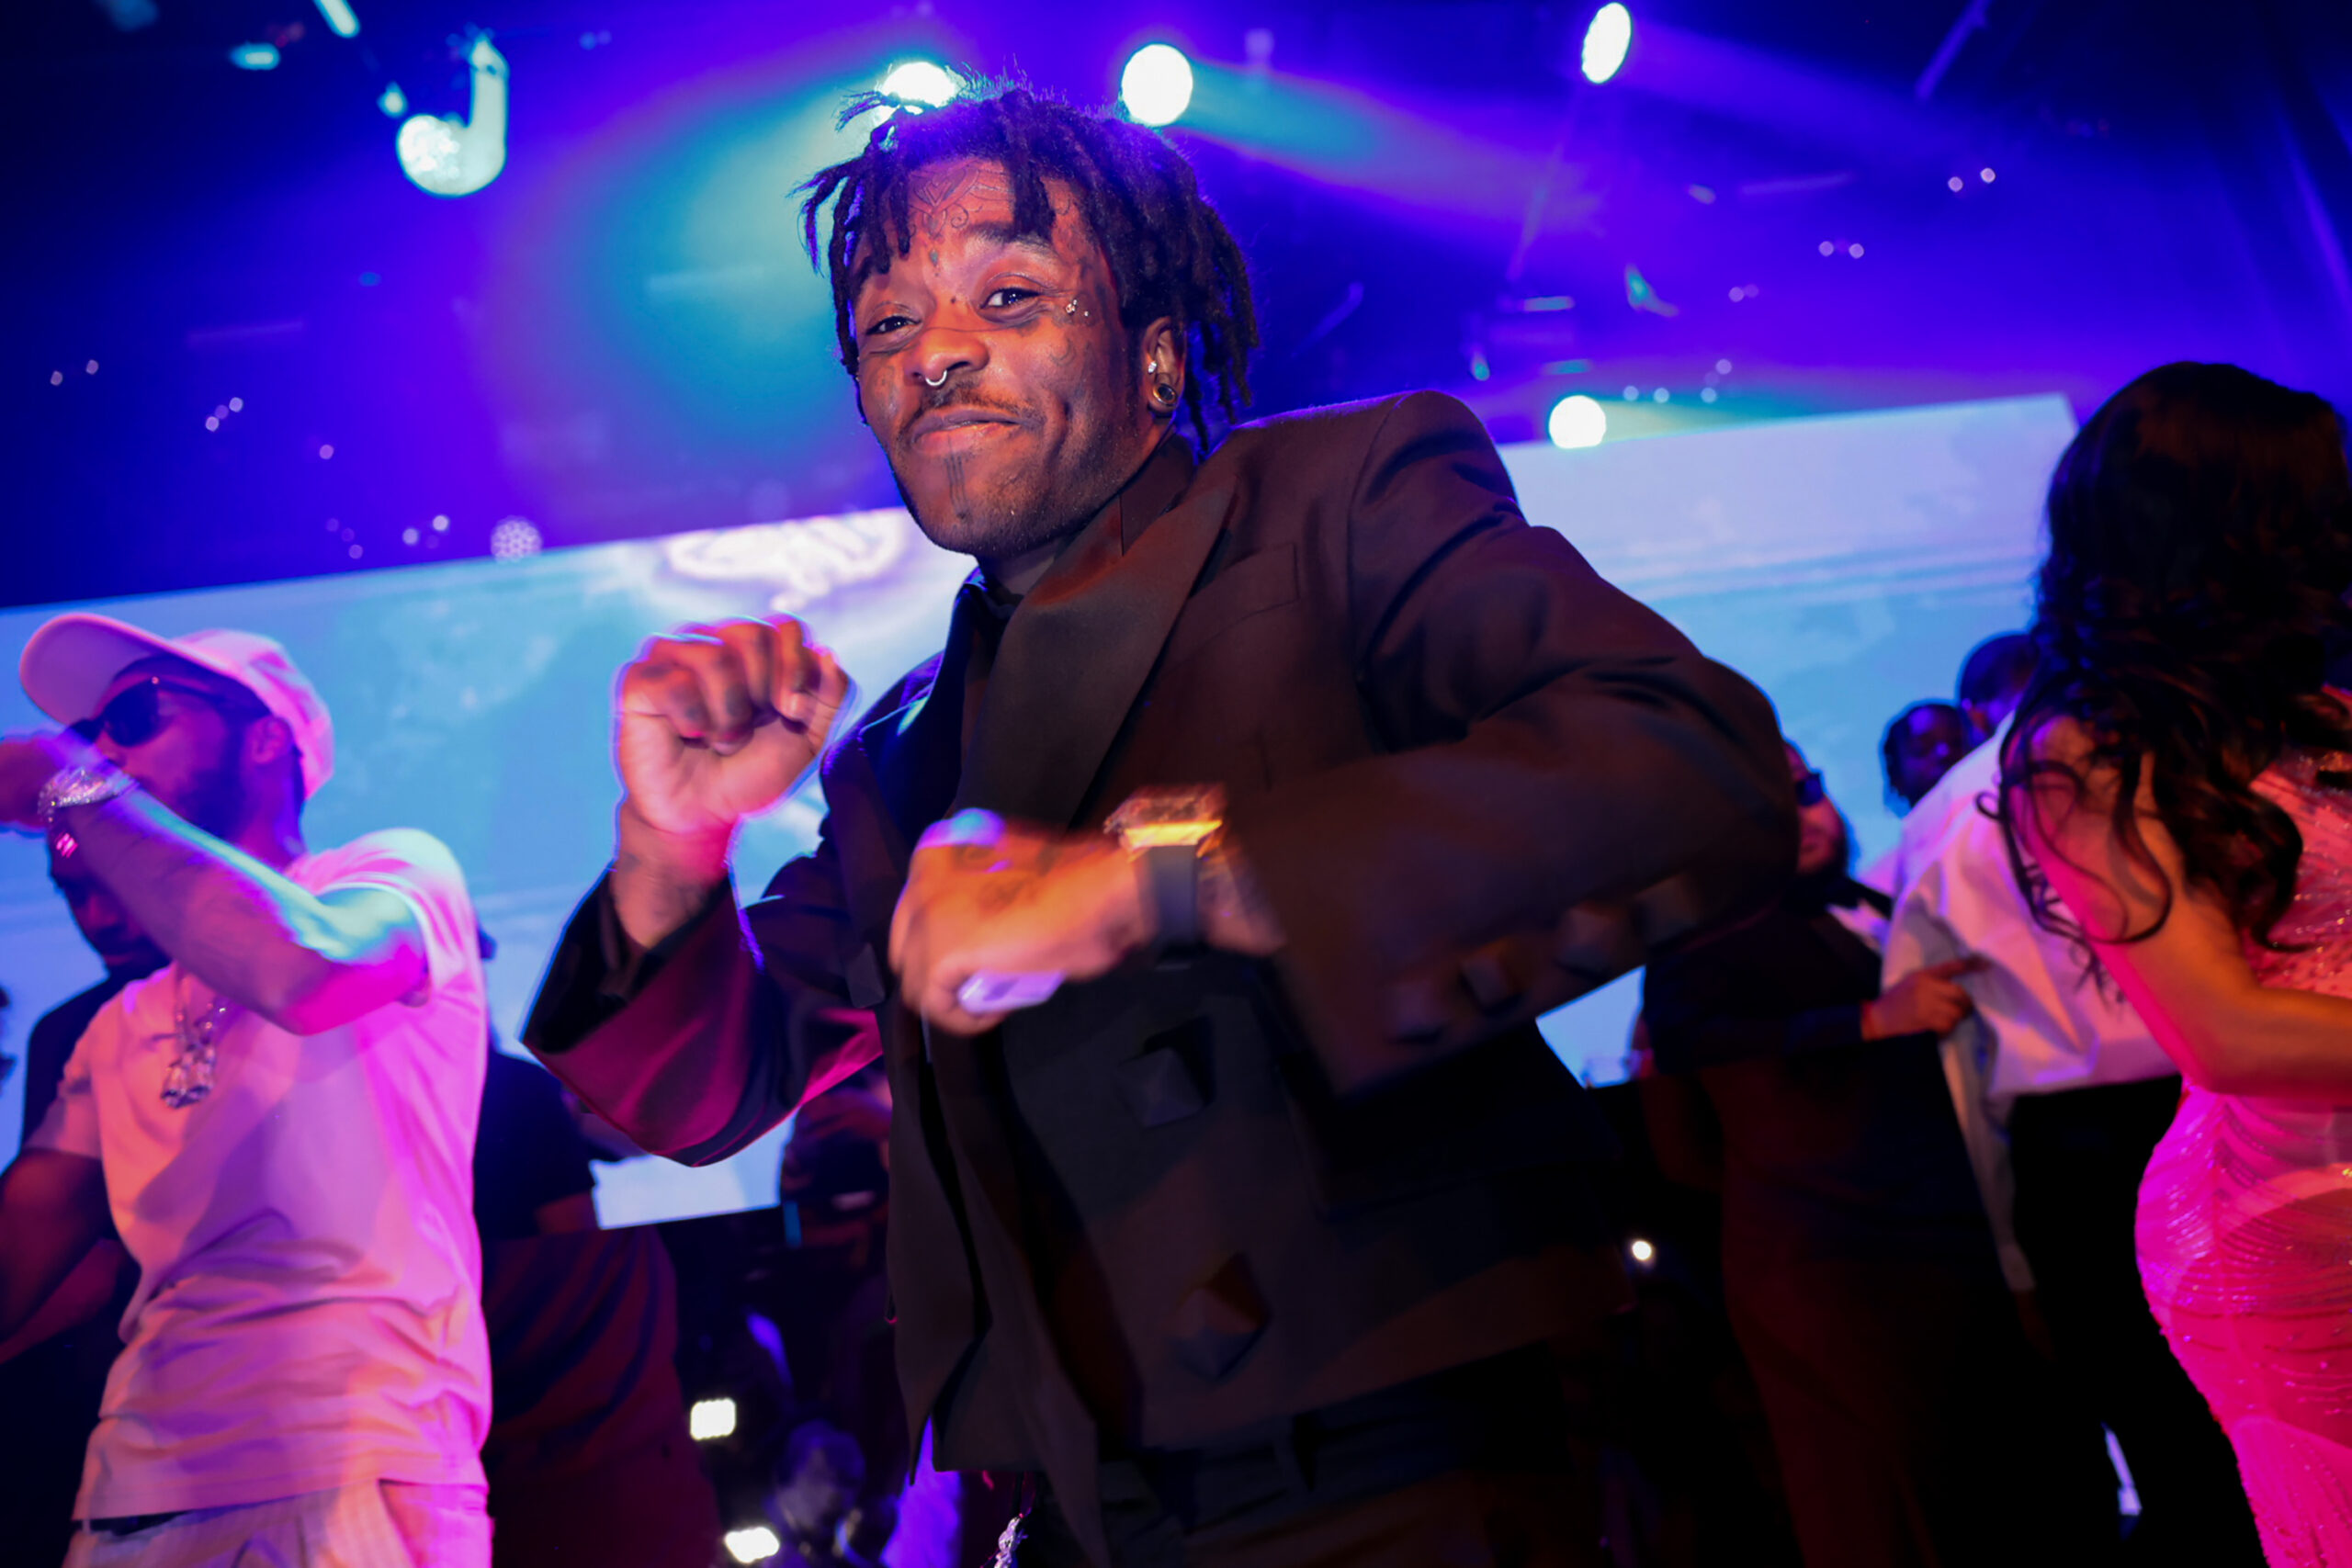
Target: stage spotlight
<point>254,57</point>
<point>447,156</point>
<point>340,17</point>
<point>1606,39</point>
<point>919,82</point>
<point>1576,421</point>
<point>709,1419</point>
<point>1643,1252</point>
<point>756,1544</point>
<point>1156,85</point>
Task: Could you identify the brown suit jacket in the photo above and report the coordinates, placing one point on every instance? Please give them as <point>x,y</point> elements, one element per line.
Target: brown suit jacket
<point>1178,1203</point>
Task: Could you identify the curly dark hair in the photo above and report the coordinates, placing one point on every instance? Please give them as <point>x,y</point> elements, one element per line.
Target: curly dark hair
<point>2201,546</point>
<point>1171,254</point>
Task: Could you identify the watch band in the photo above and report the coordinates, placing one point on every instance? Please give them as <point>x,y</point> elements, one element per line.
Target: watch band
<point>79,786</point>
<point>1171,874</point>
<point>1164,829</point>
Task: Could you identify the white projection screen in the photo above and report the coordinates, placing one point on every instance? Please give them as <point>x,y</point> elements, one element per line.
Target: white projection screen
<point>1844,564</point>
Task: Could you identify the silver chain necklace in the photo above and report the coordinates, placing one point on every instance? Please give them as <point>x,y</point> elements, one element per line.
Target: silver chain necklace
<point>190,1077</point>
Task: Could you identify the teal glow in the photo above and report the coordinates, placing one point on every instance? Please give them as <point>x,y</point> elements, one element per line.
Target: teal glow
<point>340,17</point>
<point>393,102</point>
<point>1156,85</point>
<point>254,57</point>
<point>1606,42</point>
<point>446,156</point>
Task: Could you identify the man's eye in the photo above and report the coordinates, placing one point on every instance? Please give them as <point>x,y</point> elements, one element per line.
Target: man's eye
<point>1004,297</point>
<point>888,324</point>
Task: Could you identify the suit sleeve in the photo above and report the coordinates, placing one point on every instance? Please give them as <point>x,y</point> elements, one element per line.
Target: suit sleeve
<point>1566,785</point>
<point>716,1035</point>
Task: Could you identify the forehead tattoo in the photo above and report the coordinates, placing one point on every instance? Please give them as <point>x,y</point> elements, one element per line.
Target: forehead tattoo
<point>944,198</point>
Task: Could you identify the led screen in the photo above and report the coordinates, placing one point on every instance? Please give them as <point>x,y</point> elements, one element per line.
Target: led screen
<point>1846,564</point>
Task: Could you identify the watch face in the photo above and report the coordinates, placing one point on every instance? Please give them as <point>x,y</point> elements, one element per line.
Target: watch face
<point>1180,814</point>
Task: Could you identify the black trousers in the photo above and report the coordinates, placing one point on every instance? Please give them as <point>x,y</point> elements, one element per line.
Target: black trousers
<point>1913,1427</point>
<point>2078,1156</point>
<point>1477,1467</point>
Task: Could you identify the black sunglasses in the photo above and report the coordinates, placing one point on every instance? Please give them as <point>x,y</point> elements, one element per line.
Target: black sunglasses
<point>1811,791</point>
<point>135,717</point>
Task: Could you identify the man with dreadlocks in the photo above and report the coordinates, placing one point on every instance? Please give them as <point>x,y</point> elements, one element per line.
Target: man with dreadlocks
<point>1206,888</point>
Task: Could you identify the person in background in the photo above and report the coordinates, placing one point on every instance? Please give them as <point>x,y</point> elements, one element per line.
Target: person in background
<point>589,1457</point>
<point>1920,748</point>
<point>2177,791</point>
<point>1859,1270</point>
<point>812,1505</point>
<point>830,1296</point>
<point>1992,678</point>
<point>279,1125</point>
<point>2062,1093</point>
<point>51,1388</point>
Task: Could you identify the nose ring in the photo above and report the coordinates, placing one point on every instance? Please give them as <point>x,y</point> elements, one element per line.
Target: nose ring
<point>940,382</point>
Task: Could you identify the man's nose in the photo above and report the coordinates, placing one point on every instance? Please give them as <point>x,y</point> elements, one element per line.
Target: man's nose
<point>944,352</point>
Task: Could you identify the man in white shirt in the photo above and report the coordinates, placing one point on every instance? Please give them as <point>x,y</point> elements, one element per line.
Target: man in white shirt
<point>2062,1094</point>
<point>278,1125</point>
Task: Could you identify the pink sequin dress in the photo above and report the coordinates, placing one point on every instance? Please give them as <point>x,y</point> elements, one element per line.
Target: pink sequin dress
<point>2245,1228</point>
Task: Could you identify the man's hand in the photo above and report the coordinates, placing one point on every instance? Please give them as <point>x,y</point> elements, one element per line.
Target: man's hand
<point>1927,1001</point>
<point>984,894</point>
<point>27,763</point>
<point>718,722</point>
<point>713,723</point>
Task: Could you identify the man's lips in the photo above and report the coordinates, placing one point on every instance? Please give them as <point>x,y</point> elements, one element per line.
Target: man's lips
<point>940,424</point>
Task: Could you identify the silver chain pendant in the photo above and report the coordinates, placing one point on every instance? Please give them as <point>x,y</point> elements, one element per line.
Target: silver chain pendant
<point>190,1077</point>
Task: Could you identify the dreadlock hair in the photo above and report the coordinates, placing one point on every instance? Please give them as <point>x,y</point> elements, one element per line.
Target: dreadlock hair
<point>1171,254</point>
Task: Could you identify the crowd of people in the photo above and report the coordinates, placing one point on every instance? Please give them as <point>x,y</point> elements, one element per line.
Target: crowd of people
<point>1179,1176</point>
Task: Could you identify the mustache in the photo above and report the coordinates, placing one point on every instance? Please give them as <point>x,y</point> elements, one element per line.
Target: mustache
<point>952,396</point>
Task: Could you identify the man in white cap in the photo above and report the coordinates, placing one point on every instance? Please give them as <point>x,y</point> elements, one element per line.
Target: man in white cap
<point>279,1126</point>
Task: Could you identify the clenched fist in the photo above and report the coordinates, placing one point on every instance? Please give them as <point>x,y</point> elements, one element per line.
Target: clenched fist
<point>716,723</point>
<point>713,723</point>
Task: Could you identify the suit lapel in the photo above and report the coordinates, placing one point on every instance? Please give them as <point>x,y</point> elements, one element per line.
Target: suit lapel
<point>1081,645</point>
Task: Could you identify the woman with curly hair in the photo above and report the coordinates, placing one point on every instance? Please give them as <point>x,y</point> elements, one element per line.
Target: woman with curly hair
<point>2177,794</point>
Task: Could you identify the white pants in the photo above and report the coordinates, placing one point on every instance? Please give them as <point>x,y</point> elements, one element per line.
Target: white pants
<point>369,1524</point>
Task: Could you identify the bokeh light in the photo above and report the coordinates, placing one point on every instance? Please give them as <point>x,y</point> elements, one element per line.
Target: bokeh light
<point>1576,421</point>
<point>516,538</point>
<point>1156,85</point>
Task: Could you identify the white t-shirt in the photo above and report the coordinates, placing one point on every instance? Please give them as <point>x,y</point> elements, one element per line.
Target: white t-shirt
<point>309,1307</point>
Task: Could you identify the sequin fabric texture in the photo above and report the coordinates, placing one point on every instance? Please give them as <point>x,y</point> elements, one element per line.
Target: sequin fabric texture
<point>2245,1225</point>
